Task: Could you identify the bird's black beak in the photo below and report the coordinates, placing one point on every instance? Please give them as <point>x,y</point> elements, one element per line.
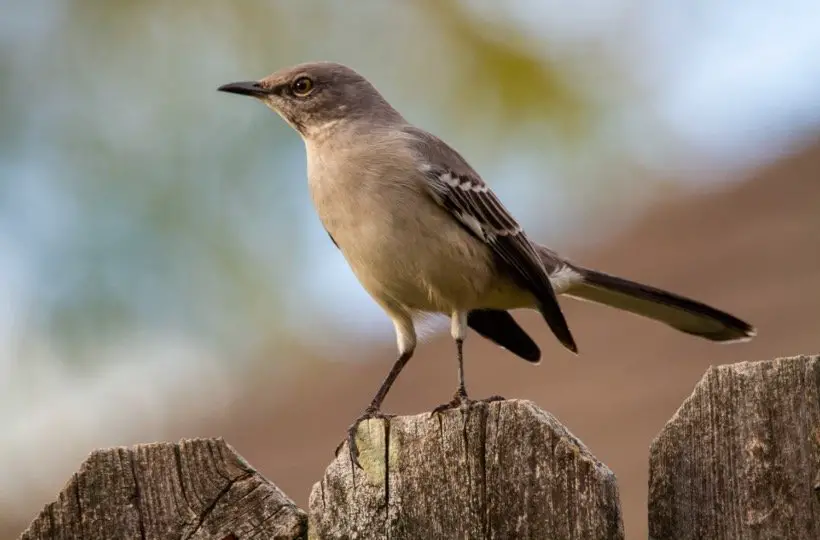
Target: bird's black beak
<point>245,88</point>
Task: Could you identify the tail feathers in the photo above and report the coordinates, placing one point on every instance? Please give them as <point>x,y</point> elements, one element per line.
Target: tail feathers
<point>684,314</point>
<point>500,327</point>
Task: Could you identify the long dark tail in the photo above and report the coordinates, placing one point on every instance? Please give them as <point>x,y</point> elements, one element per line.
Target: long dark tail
<point>684,314</point>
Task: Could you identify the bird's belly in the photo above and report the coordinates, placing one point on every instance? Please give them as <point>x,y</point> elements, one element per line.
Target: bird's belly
<point>431,265</point>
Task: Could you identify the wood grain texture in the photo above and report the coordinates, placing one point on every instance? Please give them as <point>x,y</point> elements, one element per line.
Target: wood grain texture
<point>499,470</point>
<point>195,489</point>
<point>741,457</point>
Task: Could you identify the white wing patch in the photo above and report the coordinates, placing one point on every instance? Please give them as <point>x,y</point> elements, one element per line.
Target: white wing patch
<point>474,205</point>
<point>475,226</point>
<point>464,184</point>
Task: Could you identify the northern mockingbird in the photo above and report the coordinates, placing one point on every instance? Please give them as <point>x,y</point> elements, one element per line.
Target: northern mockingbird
<point>423,233</point>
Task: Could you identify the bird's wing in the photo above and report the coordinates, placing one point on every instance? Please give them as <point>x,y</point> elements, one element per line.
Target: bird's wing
<point>455,186</point>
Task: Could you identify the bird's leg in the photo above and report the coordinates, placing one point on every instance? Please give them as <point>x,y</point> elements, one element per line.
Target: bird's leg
<point>460,398</point>
<point>461,391</point>
<point>407,342</point>
<point>374,409</point>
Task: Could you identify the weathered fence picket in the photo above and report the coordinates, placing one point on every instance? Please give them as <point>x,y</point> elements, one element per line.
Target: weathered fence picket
<point>740,459</point>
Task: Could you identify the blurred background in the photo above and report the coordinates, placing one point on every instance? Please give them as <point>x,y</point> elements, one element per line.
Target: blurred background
<point>163,275</point>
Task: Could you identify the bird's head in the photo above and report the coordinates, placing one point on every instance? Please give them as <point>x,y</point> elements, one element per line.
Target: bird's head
<point>315,96</point>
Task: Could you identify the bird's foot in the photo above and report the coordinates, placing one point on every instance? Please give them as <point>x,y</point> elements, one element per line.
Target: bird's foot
<point>460,399</point>
<point>353,448</point>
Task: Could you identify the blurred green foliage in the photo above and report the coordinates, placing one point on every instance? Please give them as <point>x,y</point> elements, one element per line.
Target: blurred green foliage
<point>500,67</point>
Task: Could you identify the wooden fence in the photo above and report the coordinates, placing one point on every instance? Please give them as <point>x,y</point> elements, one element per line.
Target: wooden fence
<point>739,459</point>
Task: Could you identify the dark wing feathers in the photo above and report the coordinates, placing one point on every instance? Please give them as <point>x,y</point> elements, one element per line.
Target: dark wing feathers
<point>459,189</point>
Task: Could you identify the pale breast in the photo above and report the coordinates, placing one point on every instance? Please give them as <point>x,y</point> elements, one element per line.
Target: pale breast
<point>400,244</point>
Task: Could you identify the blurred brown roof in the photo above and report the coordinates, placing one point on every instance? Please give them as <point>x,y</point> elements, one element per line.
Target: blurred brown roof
<point>752,249</point>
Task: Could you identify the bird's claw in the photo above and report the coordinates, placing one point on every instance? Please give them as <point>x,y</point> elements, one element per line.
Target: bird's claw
<point>460,399</point>
<point>352,447</point>
<point>455,403</point>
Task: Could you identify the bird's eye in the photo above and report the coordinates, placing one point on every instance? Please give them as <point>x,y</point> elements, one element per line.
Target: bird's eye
<point>302,86</point>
